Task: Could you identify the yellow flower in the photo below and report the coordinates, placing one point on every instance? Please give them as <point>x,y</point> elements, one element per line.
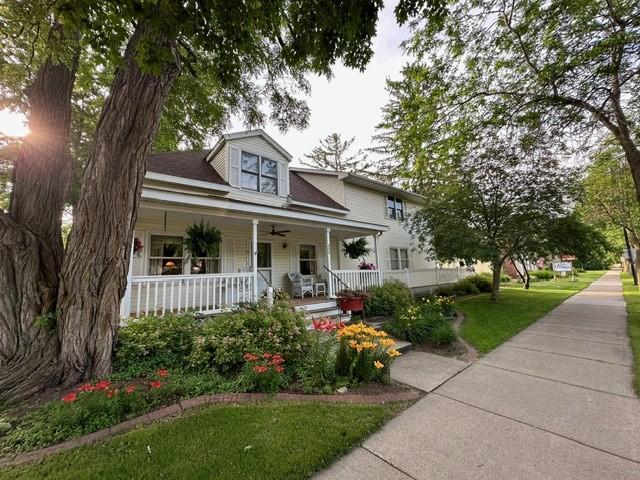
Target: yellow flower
<point>393,353</point>
<point>378,364</point>
<point>387,342</point>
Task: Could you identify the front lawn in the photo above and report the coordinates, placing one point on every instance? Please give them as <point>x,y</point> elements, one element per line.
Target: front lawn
<point>488,324</point>
<point>632,297</point>
<point>264,441</point>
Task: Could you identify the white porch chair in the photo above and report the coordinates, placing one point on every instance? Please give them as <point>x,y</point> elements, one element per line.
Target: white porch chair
<point>300,285</point>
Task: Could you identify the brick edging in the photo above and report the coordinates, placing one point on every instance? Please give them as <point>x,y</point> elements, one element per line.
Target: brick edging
<point>177,409</point>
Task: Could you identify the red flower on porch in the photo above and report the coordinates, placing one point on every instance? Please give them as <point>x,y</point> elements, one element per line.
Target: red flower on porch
<point>70,397</point>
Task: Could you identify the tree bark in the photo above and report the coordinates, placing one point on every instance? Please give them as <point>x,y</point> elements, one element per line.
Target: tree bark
<point>94,272</point>
<point>496,266</point>
<point>31,249</point>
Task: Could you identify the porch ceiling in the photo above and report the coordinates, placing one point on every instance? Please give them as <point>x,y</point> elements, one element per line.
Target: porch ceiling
<point>241,215</point>
<point>168,216</point>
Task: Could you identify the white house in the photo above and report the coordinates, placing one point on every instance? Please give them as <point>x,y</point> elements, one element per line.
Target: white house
<point>274,218</point>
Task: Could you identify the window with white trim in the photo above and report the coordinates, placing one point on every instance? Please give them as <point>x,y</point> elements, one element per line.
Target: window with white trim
<point>212,264</point>
<point>308,262</point>
<point>259,174</point>
<point>399,258</point>
<point>395,207</point>
<point>166,255</point>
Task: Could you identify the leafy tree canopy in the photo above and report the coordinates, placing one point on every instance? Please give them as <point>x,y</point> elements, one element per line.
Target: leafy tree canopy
<point>565,65</point>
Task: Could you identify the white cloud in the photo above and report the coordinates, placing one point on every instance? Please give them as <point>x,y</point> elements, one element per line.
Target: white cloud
<point>350,103</point>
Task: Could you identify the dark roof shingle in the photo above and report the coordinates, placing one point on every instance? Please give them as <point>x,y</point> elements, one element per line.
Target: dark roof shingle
<point>303,191</point>
<point>191,165</point>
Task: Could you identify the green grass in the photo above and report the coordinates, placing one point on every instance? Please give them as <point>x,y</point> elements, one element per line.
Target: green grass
<point>632,297</point>
<point>488,324</point>
<point>264,441</point>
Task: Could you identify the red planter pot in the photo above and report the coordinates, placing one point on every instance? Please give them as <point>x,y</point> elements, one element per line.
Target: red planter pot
<point>353,304</point>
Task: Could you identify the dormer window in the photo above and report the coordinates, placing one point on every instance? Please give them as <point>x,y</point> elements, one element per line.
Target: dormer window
<point>259,174</point>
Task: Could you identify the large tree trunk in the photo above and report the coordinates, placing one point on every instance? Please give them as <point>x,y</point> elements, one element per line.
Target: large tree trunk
<point>95,267</point>
<point>31,249</point>
<point>496,266</point>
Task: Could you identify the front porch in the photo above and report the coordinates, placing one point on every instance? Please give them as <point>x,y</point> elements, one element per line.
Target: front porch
<point>254,253</point>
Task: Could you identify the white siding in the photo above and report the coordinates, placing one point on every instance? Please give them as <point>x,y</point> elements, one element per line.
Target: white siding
<point>219,162</point>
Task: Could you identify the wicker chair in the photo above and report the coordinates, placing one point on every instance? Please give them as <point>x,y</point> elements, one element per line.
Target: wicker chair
<point>300,285</point>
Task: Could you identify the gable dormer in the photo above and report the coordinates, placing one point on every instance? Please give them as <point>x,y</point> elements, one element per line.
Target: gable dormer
<point>253,162</point>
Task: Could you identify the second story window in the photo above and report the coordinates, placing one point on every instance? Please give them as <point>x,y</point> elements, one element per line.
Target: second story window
<point>395,207</point>
<point>259,173</point>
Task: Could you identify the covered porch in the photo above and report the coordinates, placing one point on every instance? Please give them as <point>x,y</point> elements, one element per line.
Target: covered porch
<point>257,251</point>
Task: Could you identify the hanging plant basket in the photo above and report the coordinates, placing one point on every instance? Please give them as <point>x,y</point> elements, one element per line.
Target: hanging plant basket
<point>356,248</point>
<point>202,241</point>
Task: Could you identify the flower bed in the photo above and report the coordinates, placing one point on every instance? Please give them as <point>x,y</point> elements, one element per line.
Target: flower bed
<point>162,360</point>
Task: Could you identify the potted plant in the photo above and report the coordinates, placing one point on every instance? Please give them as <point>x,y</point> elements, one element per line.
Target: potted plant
<point>202,241</point>
<point>356,248</point>
<point>351,300</point>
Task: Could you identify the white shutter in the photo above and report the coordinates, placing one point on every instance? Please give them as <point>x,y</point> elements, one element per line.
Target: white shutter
<point>234,167</point>
<point>282,179</point>
<point>384,206</point>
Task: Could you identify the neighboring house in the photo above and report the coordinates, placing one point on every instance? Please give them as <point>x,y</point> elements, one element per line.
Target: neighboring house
<point>275,219</point>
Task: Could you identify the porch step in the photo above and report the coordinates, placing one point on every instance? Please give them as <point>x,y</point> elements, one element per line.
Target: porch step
<point>403,346</point>
<point>317,307</point>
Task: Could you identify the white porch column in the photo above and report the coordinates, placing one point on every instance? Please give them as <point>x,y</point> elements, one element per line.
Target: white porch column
<point>328,261</point>
<point>125,303</point>
<point>377,254</point>
<point>254,258</point>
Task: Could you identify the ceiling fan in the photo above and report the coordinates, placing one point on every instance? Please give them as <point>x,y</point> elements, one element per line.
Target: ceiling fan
<point>280,233</point>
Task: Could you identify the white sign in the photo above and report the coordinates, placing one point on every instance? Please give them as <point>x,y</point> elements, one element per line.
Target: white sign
<point>562,267</point>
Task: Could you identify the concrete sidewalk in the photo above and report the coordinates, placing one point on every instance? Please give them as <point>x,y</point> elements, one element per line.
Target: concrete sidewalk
<point>554,402</point>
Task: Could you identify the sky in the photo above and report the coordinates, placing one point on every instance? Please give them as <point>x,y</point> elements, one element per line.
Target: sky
<point>350,103</point>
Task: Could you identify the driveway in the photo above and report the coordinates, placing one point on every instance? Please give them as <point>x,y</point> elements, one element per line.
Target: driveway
<point>554,402</point>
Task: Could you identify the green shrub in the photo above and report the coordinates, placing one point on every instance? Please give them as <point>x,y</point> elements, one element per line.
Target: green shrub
<point>152,342</point>
<point>542,274</point>
<point>227,337</point>
<point>465,287</point>
<point>442,334</point>
<point>481,282</point>
<point>387,298</point>
<point>421,322</point>
<point>504,278</point>
<point>445,291</point>
<point>317,370</point>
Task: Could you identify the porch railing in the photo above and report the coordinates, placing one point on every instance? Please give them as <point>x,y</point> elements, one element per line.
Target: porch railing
<point>365,279</point>
<point>207,293</point>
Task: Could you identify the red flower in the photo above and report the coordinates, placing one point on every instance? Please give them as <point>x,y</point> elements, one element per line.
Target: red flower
<point>266,355</point>
<point>277,359</point>
<point>111,393</point>
<point>155,384</point>
<point>102,385</point>
<point>131,389</point>
<point>70,397</point>
<point>279,368</point>
<point>250,357</point>
<point>87,387</point>
<point>260,369</point>
<point>163,372</point>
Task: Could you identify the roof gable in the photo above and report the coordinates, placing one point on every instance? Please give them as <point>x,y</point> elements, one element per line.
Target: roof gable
<point>249,134</point>
<point>192,165</point>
